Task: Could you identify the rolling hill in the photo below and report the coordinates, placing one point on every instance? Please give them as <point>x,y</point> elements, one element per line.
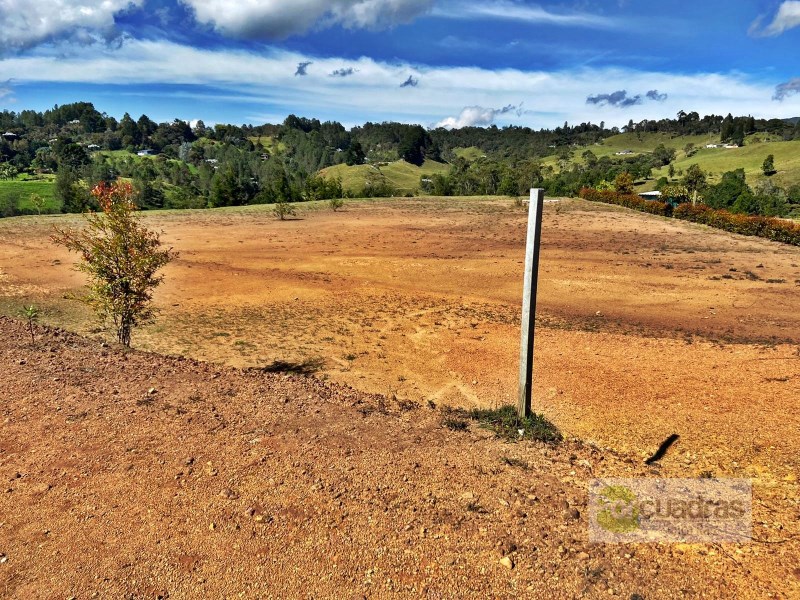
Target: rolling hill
<point>400,174</point>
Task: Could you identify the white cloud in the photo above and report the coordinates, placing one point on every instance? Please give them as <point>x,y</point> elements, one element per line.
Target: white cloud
<point>24,23</point>
<point>477,116</point>
<point>471,116</point>
<point>517,11</point>
<point>268,79</point>
<point>787,17</point>
<point>276,19</point>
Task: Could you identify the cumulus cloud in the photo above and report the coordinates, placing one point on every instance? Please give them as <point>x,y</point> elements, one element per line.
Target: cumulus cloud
<point>302,68</point>
<point>654,95</point>
<point>787,17</point>
<point>620,99</point>
<point>343,72</point>
<point>784,90</point>
<point>278,19</point>
<point>477,116</point>
<point>410,82</point>
<point>25,23</point>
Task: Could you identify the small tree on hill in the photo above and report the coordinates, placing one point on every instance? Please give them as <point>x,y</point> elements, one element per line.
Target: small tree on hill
<point>769,165</point>
<point>624,183</point>
<point>121,257</point>
<point>283,209</point>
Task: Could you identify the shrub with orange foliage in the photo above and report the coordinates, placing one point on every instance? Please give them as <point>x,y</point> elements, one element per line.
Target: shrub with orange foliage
<point>121,258</point>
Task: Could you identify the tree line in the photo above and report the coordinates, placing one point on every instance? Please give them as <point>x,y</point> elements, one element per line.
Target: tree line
<point>194,165</point>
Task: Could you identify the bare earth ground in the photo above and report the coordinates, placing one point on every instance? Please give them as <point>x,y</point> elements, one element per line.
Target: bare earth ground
<point>646,327</point>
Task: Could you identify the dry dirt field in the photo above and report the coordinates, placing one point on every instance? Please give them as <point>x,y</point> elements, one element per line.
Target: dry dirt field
<point>647,327</point>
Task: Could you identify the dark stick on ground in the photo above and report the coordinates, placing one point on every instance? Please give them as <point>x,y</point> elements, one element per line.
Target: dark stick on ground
<point>662,449</point>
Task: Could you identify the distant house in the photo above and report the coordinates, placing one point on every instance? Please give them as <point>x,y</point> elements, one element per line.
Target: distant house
<point>93,147</point>
<point>75,122</point>
<point>713,145</point>
<point>624,152</point>
<point>731,146</point>
<point>10,135</point>
<point>144,153</point>
<point>656,195</point>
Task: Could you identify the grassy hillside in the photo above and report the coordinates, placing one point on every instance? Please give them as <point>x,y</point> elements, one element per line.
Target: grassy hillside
<point>472,153</point>
<point>646,142</point>
<point>714,161</point>
<point>400,174</point>
<point>269,143</point>
<point>20,190</point>
<point>717,161</point>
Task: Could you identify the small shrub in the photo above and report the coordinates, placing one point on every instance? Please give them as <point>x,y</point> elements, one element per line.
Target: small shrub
<point>121,257</point>
<point>31,314</point>
<point>336,203</point>
<point>778,230</point>
<point>283,209</point>
<point>455,424</point>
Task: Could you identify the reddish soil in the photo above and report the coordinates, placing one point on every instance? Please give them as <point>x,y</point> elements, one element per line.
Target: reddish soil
<point>129,475</point>
<point>646,327</point>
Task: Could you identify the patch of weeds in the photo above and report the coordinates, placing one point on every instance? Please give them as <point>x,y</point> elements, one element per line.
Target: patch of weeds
<point>350,357</point>
<point>406,405</point>
<point>776,281</point>
<point>751,276</point>
<point>515,462</point>
<point>506,424</point>
<point>455,424</point>
<point>706,475</point>
<point>727,276</point>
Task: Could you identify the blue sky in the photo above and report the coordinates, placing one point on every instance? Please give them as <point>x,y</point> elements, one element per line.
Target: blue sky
<point>433,62</point>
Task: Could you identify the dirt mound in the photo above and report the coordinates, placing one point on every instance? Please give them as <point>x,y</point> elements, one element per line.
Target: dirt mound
<point>134,475</point>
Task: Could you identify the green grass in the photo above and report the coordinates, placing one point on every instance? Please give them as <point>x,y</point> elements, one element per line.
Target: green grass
<point>269,143</point>
<point>715,161</point>
<point>471,154</point>
<point>19,191</point>
<point>400,174</point>
<point>750,158</point>
<point>646,142</point>
<point>505,423</point>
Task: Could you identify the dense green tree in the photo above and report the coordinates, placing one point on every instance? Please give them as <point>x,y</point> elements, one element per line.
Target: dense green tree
<point>694,179</point>
<point>768,166</point>
<point>73,195</point>
<point>729,190</point>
